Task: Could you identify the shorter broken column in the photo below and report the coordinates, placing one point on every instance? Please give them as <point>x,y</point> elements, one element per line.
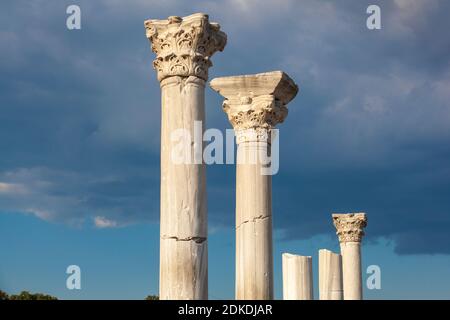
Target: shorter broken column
<point>297,277</point>
<point>350,230</point>
<point>330,275</point>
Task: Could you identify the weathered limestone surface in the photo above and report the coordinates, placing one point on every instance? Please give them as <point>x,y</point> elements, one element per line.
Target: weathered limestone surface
<point>330,275</point>
<point>350,230</point>
<point>297,277</point>
<point>254,105</point>
<point>183,48</point>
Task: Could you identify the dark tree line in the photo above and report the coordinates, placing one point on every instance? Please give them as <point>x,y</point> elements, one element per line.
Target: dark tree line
<point>25,295</point>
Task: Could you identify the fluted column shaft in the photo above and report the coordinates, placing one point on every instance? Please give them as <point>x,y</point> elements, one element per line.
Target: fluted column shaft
<point>183,230</point>
<point>351,270</point>
<point>254,258</point>
<point>183,47</point>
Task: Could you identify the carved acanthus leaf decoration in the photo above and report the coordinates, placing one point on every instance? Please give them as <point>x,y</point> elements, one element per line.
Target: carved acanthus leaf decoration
<point>254,118</point>
<point>350,227</point>
<point>183,46</point>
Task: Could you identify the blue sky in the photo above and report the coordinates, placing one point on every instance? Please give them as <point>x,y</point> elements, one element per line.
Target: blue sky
<point>79,139</point>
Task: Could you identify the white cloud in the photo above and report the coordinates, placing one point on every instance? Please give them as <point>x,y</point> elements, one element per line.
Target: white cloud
<point>41,214</point>
<point>102,222</point>
<point>11,188</point>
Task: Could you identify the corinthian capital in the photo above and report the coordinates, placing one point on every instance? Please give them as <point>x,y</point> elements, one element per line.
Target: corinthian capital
<point>183,46</point>
<point>350,226</point>
<point>255,104</point>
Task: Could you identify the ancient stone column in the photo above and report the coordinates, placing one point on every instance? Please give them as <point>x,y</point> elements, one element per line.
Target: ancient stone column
<point>350,232</point>
<point>254,105</point>
<point>297,277</point>
<point>183,48</point>
<point>330,275</point>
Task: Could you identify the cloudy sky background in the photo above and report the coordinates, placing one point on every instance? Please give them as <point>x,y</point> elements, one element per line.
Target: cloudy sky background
<point>79,140</point>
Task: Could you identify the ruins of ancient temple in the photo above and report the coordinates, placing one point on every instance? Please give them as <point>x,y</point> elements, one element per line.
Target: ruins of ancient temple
<point>254,104</point>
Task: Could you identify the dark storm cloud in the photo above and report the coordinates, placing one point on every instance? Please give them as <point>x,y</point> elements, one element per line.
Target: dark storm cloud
<point>369,130</point>
<point>372,130</point>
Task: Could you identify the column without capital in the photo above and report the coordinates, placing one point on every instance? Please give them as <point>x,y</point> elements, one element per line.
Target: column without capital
<point>350,230</point>
<point>330,275</point>
<point>183,48</point>
<point>297,277</point>
<point>254,105</point>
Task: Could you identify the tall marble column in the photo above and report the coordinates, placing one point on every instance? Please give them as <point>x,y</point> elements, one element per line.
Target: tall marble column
<point>254,105</point>
<point>297,277</point>
<point>350,230</point>
<point>330,275</point>
<point>183,47</point>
